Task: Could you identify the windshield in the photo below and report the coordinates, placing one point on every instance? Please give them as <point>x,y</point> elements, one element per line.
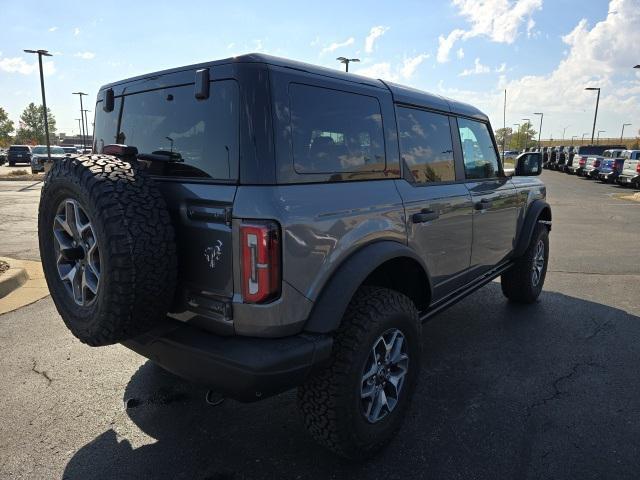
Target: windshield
<point>70,149</point>
<point>43,151</point>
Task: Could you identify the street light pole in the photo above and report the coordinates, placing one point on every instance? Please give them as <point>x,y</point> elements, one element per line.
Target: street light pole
<point>347,61</point>
<point>598,140</point>
<point>622,134</point>
<point>582,141</point>
<point>79,127</point>
<point>80,94</point>
<point>572,138</point>
<point>540,129</point>
<point>44,53</point>
<point>595,116</point>
<point>86,122</point>
<point>564,130</point>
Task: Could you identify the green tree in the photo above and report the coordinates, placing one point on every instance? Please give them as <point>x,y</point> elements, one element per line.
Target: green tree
<point>503,134</point>
<point>6,127</point>
<point>31,126</point>
<point>526,136</point>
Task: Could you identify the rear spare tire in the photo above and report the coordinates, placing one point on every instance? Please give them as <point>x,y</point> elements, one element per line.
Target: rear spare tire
<point>107,248</point>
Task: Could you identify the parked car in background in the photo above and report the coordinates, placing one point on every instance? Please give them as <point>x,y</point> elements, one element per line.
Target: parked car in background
<point>585,151</point>
<point>553,157</point>
<point>610,169</point>
<point>3,155</point>
<point>630,174</point>
<point>593,163</point>
<point>70,151</point>
<point>561,158</point>
<point>545,157</point>
<point>18,154</point>
<point>39,156</point>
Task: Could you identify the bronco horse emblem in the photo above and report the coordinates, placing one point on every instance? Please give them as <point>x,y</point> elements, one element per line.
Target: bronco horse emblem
<point>213,254</point>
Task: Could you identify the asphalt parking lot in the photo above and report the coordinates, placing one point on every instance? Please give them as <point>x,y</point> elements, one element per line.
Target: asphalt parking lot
<point>544,391</point>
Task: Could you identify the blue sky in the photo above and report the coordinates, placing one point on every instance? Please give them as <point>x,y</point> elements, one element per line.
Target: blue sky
<point>543,52</point>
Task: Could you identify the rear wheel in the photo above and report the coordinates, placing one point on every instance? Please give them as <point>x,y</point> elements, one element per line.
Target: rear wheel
<point>523,282</point>
<point>357,403</point>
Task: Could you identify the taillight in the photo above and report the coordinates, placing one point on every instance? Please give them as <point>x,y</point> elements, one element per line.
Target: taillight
<point>582,161</point>
<point>596,163</point>
<point>260,267</point>
<point>638,167</point>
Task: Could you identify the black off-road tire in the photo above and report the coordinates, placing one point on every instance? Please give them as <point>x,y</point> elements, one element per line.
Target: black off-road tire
<point>518,282</point>
<point>330,401</point>
<point>136,242</point>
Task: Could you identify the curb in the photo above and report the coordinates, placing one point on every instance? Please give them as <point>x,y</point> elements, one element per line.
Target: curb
<point>32,289</point>
<point>12,279</point>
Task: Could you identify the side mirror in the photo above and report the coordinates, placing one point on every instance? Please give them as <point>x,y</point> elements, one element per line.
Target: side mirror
<point>528,164</point>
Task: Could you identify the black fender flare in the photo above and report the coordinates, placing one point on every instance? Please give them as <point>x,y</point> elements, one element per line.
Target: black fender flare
<point>338,290</point>
<point>534,212</point>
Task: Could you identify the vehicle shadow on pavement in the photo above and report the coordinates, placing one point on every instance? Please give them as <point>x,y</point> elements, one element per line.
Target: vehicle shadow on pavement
<point>548,390</point>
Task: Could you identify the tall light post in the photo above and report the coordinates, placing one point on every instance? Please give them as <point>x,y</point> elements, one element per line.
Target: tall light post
<point>573,137</point>
<point>540,129</point>
<point>564,130</point>
<point>86,123</point>
<point>583,135</point>
<point>526,132</point>
<point>43,53</point>
<point>598,140</point>
<point>79,127</point>
<point>517,135</point>
<point>595,116</point>
<point>80,94</point>
<point>622,134</point>
<point>347,61</point>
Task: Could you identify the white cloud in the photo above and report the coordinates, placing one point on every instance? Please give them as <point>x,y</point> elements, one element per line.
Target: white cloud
<point>397,73</point>
<point>85,55</point>
<point>530,24</point>
<point>501,68</point>
<point>19,65</point>
<point>477,69</point>
<point>460,53</point>
<point>499,20</point>
<point>76,32</point>
<point>336,45</point>
<point>374,34</point>
<point>410,64</point>
<point>53,29</point>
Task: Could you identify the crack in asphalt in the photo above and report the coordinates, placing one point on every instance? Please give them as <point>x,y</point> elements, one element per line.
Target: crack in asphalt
<point>599,328</point>
<point>41,372</point>
<point>556,385</point>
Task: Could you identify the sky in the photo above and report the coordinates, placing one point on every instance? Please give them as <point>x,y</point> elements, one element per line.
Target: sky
<point>543,52</point>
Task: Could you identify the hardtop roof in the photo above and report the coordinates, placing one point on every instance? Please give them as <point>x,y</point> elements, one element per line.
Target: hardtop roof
<point>402,94</point>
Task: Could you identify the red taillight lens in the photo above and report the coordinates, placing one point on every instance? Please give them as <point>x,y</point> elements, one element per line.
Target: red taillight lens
<point>638,167</point>
<point>260,267</point>
<point>596,163</point>
<point>582,161</point>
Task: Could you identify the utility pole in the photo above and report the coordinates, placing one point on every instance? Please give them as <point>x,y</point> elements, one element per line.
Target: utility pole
<point>347,61</point>
<point>43,53</point>
<point>595,116</point>
<point>80,94</point>
<point>540,130</point>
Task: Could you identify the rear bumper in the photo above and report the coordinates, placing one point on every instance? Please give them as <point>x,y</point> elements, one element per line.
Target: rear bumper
<point>243,368</point>
<point>628,179</point>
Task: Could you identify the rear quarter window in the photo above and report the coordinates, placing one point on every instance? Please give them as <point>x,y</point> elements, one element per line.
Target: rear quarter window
<point>335,131</point>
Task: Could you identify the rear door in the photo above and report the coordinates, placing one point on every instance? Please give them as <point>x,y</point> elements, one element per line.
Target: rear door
<point>495,202</point>
<point>437,203</point>
<point>190,146</point>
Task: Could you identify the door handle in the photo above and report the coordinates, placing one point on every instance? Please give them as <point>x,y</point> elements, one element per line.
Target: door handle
<point>484,204</point>
<point>425,215</point>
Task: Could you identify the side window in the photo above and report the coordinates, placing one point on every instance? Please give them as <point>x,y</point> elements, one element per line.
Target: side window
<point>425,145</point>
<point>182,136</point>
<point>480,158</point>
<point>106,126</point>
<point>334,131</point>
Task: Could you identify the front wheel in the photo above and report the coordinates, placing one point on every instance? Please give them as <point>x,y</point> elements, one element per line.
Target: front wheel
<point>357,403</point>
<point>523,282</point>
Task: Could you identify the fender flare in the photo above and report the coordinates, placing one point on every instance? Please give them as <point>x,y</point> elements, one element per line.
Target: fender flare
<point>534,212</point>
<point>338,290</point>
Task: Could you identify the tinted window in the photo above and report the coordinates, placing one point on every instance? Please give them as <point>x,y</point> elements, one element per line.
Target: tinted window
<point>18,149</point>
<point>480,159</point>
<point>334,131</point>
<point>425,145</point>
<point>177,134</point>
<point>106,127</point>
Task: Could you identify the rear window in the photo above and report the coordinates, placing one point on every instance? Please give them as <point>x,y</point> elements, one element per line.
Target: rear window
<point>18,149</point>
<point>335,131</point>
<point>426,146</point>
<point>590,150</point>
<point>175,133</point>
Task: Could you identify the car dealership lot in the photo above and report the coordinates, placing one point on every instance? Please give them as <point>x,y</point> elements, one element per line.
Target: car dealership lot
<point>545,391</point>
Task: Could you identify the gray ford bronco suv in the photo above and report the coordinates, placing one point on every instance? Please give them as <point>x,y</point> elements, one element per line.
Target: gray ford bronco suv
<point>257,224</point>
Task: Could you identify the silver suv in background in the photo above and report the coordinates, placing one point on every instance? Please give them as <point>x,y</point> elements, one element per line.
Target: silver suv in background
<point>630,175</point>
